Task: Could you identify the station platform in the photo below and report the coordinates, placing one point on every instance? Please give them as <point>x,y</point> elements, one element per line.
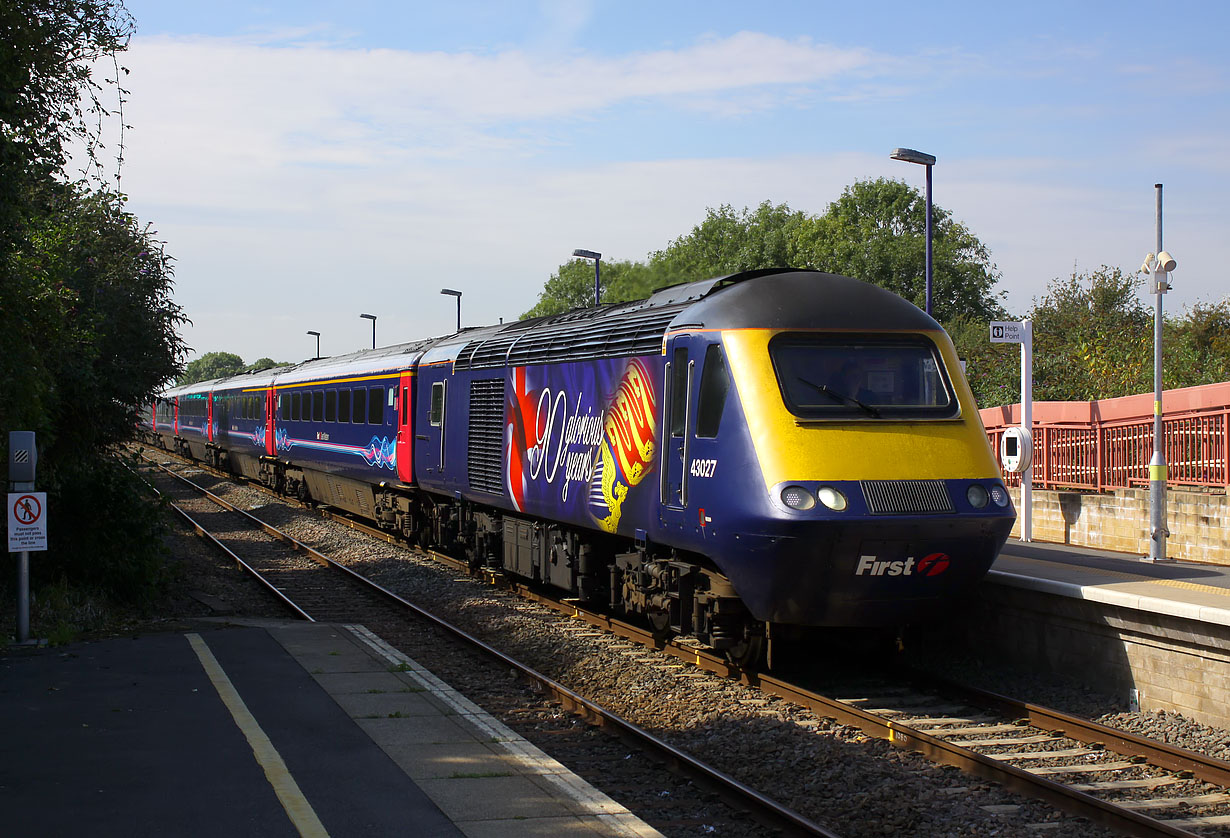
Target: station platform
<point>269,729</point>
<point>1150,636</point>
<point>1186,590</point>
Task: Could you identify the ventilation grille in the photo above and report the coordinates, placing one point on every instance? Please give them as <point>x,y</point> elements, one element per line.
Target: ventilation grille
<point>635,333</point>
<point>900,497</point>
<point>486,435</point>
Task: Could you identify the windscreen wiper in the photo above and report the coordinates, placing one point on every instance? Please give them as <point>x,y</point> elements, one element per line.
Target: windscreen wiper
<point>841,398</point>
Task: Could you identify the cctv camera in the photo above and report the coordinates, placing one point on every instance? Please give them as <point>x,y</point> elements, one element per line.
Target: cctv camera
<point>1165,262</point>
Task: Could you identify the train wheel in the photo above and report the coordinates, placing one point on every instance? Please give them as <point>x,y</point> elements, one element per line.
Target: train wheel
<point>659,622</point>
<point>748,653</point>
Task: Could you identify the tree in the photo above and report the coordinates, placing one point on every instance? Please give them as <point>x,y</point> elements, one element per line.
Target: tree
<point>46,56</point>
<point>876,232</point>
<point>727,242</point>
<point>262,364</point>
<point>873,232</point>
<point>1196,346</point>
<point>1093,338</point>
<point>572,286</point>
<point>211,365</point>
<point>88,329</point>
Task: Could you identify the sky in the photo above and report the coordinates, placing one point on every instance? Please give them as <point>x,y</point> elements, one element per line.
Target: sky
<point>306,162</point>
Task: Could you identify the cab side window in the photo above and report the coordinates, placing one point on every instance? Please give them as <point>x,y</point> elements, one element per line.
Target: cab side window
<point>714,384</point>
<point>437,404</point>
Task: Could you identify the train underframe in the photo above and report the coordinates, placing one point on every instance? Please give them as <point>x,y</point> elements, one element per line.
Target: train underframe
<point>675,593</point>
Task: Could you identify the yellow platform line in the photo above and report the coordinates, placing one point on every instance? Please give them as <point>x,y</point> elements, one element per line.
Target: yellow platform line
<point>1133,577</point>
<point>296,805</point>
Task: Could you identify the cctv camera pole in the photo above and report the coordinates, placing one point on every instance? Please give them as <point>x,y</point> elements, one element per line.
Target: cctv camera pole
<point>1027,422</point>
<point>1157,464</point>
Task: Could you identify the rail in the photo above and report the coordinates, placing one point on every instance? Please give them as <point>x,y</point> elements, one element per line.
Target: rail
<point>1107,444</point>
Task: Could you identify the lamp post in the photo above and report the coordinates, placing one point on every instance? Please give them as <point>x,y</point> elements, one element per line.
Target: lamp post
<point>372,318</point>
<point>597,257</point>
<point>909,155</point>
<point>450,292</point>
<point>1158,265</point>
<point>317,334</point>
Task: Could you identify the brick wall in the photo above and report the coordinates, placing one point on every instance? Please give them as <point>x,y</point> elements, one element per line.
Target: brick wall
<point>1119,520</point>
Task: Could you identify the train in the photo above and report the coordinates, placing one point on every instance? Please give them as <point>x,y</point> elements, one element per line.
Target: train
<point>725,459</point>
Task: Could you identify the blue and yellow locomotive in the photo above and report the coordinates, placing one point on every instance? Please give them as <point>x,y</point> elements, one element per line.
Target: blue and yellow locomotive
<point>773,447</point>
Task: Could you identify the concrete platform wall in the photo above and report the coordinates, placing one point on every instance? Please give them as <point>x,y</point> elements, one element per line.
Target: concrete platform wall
<point>1119,520</point>
<point>1173,664</point>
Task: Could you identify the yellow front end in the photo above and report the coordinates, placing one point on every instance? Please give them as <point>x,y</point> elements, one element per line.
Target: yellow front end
<point>789,448</point>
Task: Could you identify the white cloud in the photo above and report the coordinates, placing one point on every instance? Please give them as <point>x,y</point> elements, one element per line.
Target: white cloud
<point>300,185</point>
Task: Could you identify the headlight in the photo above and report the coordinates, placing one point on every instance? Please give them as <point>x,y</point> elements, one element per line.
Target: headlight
<point>832,498</point>
<point>1000,495</point>
<point>796,497</point>
<point>977,496</point>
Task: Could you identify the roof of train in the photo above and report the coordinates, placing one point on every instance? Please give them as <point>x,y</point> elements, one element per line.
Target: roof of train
<point>769,298</point>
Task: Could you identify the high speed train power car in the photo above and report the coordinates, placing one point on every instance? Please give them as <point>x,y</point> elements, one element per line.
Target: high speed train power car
<point>773,447</point>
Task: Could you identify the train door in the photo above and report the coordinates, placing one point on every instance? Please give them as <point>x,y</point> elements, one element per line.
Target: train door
<point>404,451</point>
<point>679,380</point>
<point>696,385</point>
<point>429,433</point>
<point>209,416</point>
<point>271,404</point>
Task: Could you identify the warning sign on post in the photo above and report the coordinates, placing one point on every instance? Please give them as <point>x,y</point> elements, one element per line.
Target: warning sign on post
<point>27,521</point>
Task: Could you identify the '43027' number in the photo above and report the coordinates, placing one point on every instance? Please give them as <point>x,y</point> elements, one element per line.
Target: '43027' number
<point>703,468</point>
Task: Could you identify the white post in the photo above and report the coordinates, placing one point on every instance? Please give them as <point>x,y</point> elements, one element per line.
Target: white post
<point>1027,424</point>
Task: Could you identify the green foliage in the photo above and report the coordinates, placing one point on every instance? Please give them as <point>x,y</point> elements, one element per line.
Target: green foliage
<point>1197,346</point>
<point>88,330</point>
<point>572,286</point>
<point>993,369</point>
<point>873,232</point>
<point>264,364</point>
<point>96,507</point>
<point>211,365</point>
<point>727,242</point>
<point>1093,338</point>
<point>876,232</point>
<point>47,96</point>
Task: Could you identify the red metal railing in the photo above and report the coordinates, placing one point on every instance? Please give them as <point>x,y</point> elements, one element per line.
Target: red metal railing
<point>1107,444</point>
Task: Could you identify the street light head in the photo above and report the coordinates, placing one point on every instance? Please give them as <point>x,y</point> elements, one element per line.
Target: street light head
<point>1166,262</point>
<point>368,316</point>
<point>909,155</point>
<point>586,254</point>
<point>314,334</point>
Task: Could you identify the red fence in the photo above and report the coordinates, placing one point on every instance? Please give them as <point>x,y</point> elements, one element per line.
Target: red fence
<point>1107,444</point>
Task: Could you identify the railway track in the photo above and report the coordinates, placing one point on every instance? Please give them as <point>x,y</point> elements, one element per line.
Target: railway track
<point>1131,785</point>
<point>314,587</point>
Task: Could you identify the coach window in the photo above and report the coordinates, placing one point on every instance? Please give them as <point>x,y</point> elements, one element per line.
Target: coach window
<point>318,405</point>
<point>714,382</point>
<point>331,406</point>
<point>296,404</point>
<point>359,411</point>
<point>375,405</point>
<point>343,405</point>
<point>437,404</point>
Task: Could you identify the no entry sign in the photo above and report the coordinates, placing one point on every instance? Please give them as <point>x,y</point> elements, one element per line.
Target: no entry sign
<point>27,521</point>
